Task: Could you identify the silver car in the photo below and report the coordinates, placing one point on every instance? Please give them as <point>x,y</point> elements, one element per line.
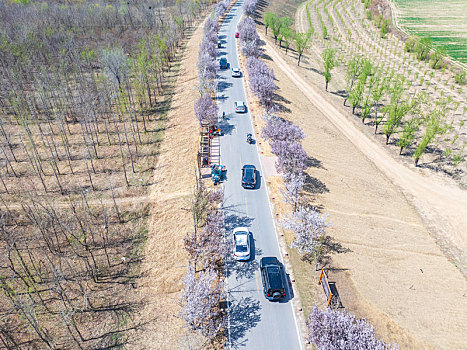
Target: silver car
<point>239,107</point>
<point>242,244</point>
<point>236,72</point>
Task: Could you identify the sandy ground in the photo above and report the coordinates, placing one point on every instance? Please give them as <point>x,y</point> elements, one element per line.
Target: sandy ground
<point>386,264</point>
<point>165,261</point>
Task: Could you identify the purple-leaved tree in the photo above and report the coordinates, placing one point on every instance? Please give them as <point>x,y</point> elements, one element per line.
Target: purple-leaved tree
<point>211,25</point>
<point>220,9</point>
<point>293,185</point>
<point>278,129</point>
<point>207,245</point>
<point>262,82</point>
<point>247,30</point>
<point>200,302</point>
<point>292,158</point>
<point>339,330</point>
<point>208,48</point>
<point>309,227</point>
<point>214,246</point>
<point>249,7</point>
<point>206,109</point>
<point>251,49</point>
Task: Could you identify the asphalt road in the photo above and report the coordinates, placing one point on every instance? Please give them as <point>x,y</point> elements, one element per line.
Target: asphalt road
<point>253,321</point>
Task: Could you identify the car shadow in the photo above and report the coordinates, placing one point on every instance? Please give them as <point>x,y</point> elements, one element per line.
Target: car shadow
<point>290,294</point>
<point>244,314</point>
<point>258,180</point>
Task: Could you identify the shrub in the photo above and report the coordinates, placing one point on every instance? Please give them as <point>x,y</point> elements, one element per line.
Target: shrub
<point>460,77</point>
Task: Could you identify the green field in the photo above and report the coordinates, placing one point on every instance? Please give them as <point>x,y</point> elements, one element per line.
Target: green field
<point>445,22</point>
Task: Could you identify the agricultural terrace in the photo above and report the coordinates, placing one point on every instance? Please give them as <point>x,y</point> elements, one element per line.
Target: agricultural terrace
<point>445,22</point>
<point>414,102</point>
<point>84,92</point>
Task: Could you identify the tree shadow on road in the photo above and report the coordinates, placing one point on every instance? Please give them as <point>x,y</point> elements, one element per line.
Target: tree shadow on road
<point>244,315</point>
<point>233,220</point>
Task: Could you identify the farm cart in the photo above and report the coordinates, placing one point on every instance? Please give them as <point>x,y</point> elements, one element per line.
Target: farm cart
<point>217,173</point>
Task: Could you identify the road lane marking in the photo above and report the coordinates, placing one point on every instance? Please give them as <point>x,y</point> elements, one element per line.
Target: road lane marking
<point>246,207</point>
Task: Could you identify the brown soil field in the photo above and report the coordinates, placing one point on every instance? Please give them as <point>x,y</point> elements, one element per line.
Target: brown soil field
<point>395,228</point>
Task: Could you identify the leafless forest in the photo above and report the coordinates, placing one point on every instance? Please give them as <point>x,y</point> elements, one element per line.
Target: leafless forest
<point>84,88</point>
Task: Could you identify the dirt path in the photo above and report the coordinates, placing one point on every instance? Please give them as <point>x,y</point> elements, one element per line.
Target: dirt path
<point>387,267</point>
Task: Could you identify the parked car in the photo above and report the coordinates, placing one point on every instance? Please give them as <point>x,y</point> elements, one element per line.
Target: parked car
<point>219,44</point>
<point>242,244</point>
<point>237,34</point>
<point>239,107</point>
<point>236,72</point>
<point>272,275</point>
<point>248,176</point>
<point>223,63</point>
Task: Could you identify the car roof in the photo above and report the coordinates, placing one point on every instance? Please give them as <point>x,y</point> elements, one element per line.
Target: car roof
<point>236,69</point>
<point>239,103</point>
<point>241,238</point>
<point>275,278</point>
<point>249,166</point>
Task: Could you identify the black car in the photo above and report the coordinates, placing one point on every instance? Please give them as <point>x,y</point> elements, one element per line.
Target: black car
<point>248,176</point>
<point>219,44</point>
<point>272,276</point>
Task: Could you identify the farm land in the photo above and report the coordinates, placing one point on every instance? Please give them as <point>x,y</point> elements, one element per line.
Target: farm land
<point>84,95</point>
<point>88,187</point>
<point>444,22</point>
<point>380,232</point>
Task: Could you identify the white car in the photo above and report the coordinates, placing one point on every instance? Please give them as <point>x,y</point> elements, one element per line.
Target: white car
<point>242,244</point>
<point>239,107</point>
<point>236,72</point>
